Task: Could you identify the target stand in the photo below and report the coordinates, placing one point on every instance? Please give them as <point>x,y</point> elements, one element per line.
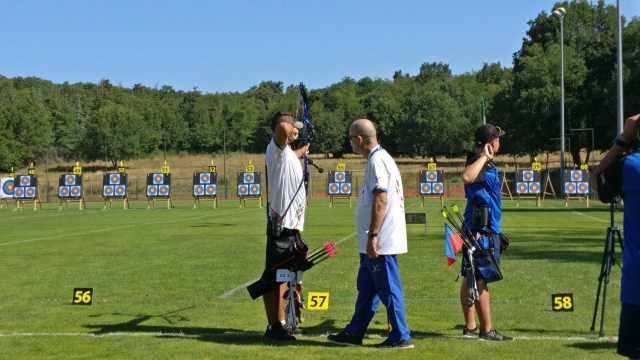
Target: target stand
<point>36,203</point>
<point>26,190</point>
<point>159,187</point>
<point>109,200</point>
<point>249,186</point>
<point>114,186</point>
<point>80,201</point>
<point>577,186</point>
<point>205,187</point>
<point>339,184</point>
<point>5,201</point>
<point>528,184</point>
<point>431,184</point>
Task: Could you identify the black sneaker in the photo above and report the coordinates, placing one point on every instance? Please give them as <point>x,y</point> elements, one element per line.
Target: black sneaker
<point>277,332</point>
<point>292,330</point>
<point>345,339</point>
<point>407,344</point>
<point>472,334</point>
<point>494,335</point>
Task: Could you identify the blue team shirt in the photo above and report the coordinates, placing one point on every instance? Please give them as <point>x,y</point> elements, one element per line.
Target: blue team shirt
<point>485,190</point>
<point>630,283</point>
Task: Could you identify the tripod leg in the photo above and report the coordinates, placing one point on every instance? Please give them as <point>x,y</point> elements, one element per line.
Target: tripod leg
<point>602,271</point>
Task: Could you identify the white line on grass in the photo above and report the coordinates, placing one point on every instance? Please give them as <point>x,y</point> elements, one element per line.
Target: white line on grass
<point>109,229</point>
<point>254,334</point>
<point>232,291</point>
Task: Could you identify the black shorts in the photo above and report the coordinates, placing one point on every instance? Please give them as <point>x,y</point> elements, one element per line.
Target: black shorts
<point>628,334</point>
<point>280,249</point>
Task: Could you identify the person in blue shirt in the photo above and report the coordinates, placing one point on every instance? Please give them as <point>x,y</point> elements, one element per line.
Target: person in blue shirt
<point>483,192</point>
<point>626,172</point>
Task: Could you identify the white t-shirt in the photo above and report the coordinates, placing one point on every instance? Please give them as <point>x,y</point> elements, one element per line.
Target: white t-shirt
<point>382,173</point>
<point>285,176</point>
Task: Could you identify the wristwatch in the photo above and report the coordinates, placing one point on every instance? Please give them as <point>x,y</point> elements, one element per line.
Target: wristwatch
<point>372,235</point>
<point>620,142</point>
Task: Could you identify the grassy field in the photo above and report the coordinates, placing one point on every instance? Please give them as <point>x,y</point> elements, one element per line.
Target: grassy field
<point>170,284</point>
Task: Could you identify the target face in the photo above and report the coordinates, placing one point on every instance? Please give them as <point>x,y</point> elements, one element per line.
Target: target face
<point>7,187</point>
<point>425,188</point>
<point>25,180</point>
<point>340,176</point>
<point>534,188</point>
<point>576,175</point>
<point>158,179</point>
<point>198,190</point>
<point>210,190</point>
<point>152,190</point>
<point>76,191</point>
<point>205,178</point>
<point>163,190</point>
<point>19,193</point>
<point>345,188</point>
<point>63,191</point>
<point>438,188</point>
<point>570,188</point>
<point>254,189</point>
<point>583,188</point>
<point>243,189</point>
<point>249,178</point>
<point>333,189</point>
<point>114,179</point>
<point>30,192</point>
<point>70,180</point>
<point>522,188</point>
<point>432,176</point>
<point>527,175</point>
<point>121,190</point>
<point>107,191</point>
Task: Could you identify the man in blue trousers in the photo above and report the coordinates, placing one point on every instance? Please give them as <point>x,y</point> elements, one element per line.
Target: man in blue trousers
<point>382,234</point>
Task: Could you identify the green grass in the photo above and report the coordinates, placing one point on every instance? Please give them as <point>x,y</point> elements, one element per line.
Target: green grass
<point>168,284</point>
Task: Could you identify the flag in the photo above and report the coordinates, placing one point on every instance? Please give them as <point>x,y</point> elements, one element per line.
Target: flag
<point>452,244</point>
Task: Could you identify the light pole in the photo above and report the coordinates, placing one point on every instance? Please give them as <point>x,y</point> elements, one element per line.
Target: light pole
<point>619,73</point>
<point>560,13</point>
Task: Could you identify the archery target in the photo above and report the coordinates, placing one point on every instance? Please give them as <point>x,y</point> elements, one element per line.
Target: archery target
<point>243,189</point>
<point>438,188</point>
<point>114,179</point>
<point>334,189</point>
<point>254,189</point>
<point>425,188</point>
<point>7,188</point>
<point>527,175</point>
<point>210,190</point>
<point>19,193</point>
<point>63,191</point>
<point>570,188</point>
<point>69,179</point>
<point>198,190</point>
<point>152,190</point>
<point>340,176</point>
<point>76,191</point>
<point>576,175</point>
<point>345,188</point>
<point>120,190</point>
<point>163,190</point>
<point>30,192</point>
<point>108,191</point>
<point>432,176</point>
<point>522,188</point>
<point>205,178</point>
<point>25,180</point>
<point>248,178</point>
<point>534,187</point>
<point>583,188</point>
<point>158,179</point>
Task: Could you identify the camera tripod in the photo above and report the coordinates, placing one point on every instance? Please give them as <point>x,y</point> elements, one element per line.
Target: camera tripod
<point>608,259</point>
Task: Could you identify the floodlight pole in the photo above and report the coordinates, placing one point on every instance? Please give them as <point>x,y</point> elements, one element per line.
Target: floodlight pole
<point>561,12</point>
<point>620,95</point>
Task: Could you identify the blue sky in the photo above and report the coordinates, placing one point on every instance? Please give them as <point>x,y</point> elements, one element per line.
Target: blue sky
<point>230,45</point>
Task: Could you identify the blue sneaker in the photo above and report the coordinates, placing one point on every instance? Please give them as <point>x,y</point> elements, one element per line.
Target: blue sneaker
<point>345,339</point>
<point>407,344</point>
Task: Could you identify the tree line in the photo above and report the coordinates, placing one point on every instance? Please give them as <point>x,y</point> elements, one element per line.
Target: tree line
<point>430,114</point>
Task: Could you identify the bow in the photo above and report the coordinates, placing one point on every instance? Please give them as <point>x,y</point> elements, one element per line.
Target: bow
<point>308,132</point>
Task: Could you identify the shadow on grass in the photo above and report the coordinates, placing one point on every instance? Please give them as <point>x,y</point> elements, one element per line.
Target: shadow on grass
<point>221,335</point>
<point>593,346</point>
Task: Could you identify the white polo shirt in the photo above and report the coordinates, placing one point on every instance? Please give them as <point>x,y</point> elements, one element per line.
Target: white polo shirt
<point>382,173</point>
<point>285,175</point>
